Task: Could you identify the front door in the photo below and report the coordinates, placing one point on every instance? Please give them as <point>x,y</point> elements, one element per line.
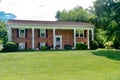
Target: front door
<point>58,41</point>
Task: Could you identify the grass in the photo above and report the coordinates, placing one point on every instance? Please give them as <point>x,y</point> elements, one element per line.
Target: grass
<point>60,65</point>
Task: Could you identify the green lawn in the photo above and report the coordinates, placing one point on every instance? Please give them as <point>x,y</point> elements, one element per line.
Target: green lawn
<point>60,65</point>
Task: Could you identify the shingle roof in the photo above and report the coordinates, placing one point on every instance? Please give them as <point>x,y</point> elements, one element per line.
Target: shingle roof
<point>49,23</point>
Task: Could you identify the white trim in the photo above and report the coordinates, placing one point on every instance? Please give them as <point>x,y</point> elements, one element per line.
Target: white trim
<point>92,34</point>
<point>54,38</point>
<point>59,36</point>
<point>88,42</point>
<point>50,27</point>
<point>20,31</point>
<point>33,39</point>
<point>74,38</point>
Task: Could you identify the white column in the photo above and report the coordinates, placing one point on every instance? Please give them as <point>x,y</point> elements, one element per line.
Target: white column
<point>33,41</point>
<point>88,42</point>
<point>74,38</point>
<point>54,38</point>
<point>9,33</point>
<point>92,34</point>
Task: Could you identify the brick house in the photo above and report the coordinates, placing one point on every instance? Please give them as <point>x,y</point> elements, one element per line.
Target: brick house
<point>35,34</point>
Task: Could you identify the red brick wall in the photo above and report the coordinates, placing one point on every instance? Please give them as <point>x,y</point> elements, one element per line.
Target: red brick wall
<point>27,39</point>
<point>67,37</point>
<point>48,39</point>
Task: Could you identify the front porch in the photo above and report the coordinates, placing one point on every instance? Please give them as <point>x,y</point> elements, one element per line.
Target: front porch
<point>55,37</point>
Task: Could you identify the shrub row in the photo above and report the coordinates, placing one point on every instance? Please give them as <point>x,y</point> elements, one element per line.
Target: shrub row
<point>10,46</point>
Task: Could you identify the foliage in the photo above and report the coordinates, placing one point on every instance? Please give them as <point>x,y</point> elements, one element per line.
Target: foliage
<point>67,47</point>
<point>43,48</point>
<point>100,37</point>
<point>10,46</point>
<point>107,19</point>
<point>117,40</point>
<point>1,47</point>
<point>6,16</point>
<point>112,54</point>
<point>3,32</point>
<point>94,45</point>
<point>109,45</point>
<point>78,14</point>
<point>80,46</point>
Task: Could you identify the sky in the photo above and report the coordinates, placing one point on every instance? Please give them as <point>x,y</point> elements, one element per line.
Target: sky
<point>40,9</point>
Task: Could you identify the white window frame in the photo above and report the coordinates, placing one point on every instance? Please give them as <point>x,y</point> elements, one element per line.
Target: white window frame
<point>42,44</point>
<point>80,33</point>
<point>23,34</point>
<point>43,33</point>
<point>21,45</point>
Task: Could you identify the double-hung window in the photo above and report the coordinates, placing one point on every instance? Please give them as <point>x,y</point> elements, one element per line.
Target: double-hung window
<point>21,32</point>
<point>43,33</point>
<point>80,33</point>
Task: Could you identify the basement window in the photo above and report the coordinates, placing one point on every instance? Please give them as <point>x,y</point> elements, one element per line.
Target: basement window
<point>42,44</point>
<point>21,46</point>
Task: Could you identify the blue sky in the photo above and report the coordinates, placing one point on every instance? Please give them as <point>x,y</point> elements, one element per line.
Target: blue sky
<point>40,9</point>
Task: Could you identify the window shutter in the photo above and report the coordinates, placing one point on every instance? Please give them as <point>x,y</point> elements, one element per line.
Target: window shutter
<point>17,32</point>
<point>46,44</point>
<point>25,45</point>
<point>85,33</point>
<point>17,46</point>
<point>46,33</point>
<point>38,45</point>
<point>38,32</point>
<point>26,33</point>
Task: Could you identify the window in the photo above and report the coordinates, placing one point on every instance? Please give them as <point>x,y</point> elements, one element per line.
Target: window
<point>43,33</point>
<point>21,32</point>
<point>80,33</point>
<point>42,44</point>
<point>21,46</point>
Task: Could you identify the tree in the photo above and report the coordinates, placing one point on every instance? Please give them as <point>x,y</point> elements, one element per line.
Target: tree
<point>3,32</point>
<point>77,14</point>
<point>107,18</point>
<point>4,17</point>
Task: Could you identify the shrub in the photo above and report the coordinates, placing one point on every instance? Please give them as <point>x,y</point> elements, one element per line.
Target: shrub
<point>43,48</point>
<point>94,45</point>
<point>1,46</point>
<point>10,46</point>
<point>80,46</point>
<point>109,45</point>
<point>48,47</point>
<point>67,47</point>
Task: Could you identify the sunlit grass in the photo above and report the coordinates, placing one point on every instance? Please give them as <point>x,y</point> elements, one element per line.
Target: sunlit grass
<point>59,65</point>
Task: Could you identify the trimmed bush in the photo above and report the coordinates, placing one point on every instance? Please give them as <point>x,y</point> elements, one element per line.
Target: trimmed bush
<point>80,46</point>
<point>43,48</point>
<point>67,47</point>
<point>10,46</point>
<point>94,45</point>
<point>109,45</point>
